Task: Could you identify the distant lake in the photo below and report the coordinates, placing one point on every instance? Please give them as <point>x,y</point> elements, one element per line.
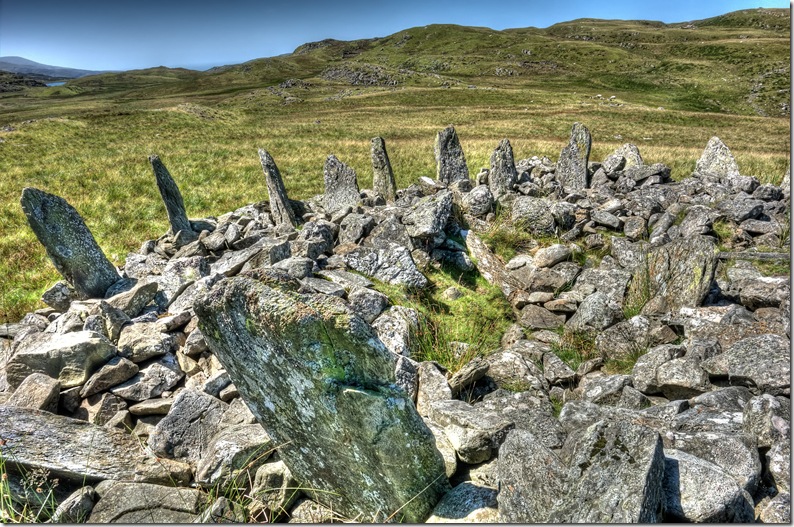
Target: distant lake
<point>56,83</point>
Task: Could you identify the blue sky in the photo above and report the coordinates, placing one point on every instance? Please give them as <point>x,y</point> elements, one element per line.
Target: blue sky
<point>122,34</point>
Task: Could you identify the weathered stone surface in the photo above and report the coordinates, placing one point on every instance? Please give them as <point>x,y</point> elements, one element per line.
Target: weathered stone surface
<point>275,489</point>
<point>768,419</point>
<point>174,205</point>
<point>466,503</point>
<point>151,380</point>
<point>129,503</point>
<point>427,218</point>
<point>187,430</point>
<point>698,491</point>
<point>367,303</point>
<point>531,478</point>
<point>382,175</point>
<point>231,449</point>
<point>59,296</point>
<point>100,408</point>
<point>678,274</point>
<point>717,160</point>
<point>529,410</point>
<point>37,391</point>
<point>762,362</point>
<point>139,342</point>
<point>479,201</point>
<point>475,432</point>
<point>395,327</point>
<point>450,161</point>
<point>310,370</point>
<point>280,208</point>
<point>552,255</point>
<point>490,267</point>
<point>392,264</point>
<point>778,510</point>
<point>389,231</point>
<point>596,313</point>
<point>355,227</point>
<point>76,508</point>
<point>536,317</point>
<point>533,214</point>
<point>572,165</point>
<point>70,245</point>
<point>135,299</point>
<point>503,175</point>
<point>778,462</point>
<point>79,451</point>
<point>309,511</point>
<point>264,252</point>
<point>341,185</point>
<point>630,337</point>
<point>433,386</point>
<point>71,358</point>
<point>615,476</point>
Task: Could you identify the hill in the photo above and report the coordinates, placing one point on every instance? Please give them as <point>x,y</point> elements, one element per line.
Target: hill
<point>22,65</point>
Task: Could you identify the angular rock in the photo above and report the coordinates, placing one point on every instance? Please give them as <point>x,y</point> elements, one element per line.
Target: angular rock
<point>392,264</point>
<point>355,227</point>
<point>762,362</point>
<point>395,327</point>
<point>533,214</point>
<point>130,503</point>
<point>686,477</point>
<point>552,255</point>
<point>778,510</point>
<point>37,391</point>
<point>531,479</point>
<point>140,342</point>
<point>536,317</point>
<point>70,245</point>
<point>596,313</point>
<point>100,408</point>
<point>768,419</point>
<point>275,488</point>
<point>59,296</point>
<point>427,218</point>
<point>310,370</point>
<point>76,508</point>
<point>367,303</point>
<point>678,274</point>
<point>490,267</point>
<point>432,387</point>
<point>231,449</point>
<point>151,381</point>
<point>71,358</point>
<point>615,476</point>
<point>475,433</point>
<point>192,422</point>
<point>341,185</point>
<point>79,451</point>
<point>131,302</point>
<point>280,208</point>
<point>572,165</point>
<point>382,175</point>
<point>717,160</point>
<point>466,503</point>
<point>503,175</point>
<point>450,161</point>
<point>479,201</point>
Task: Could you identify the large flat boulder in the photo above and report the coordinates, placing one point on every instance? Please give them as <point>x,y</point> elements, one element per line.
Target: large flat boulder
<point>323,387</point>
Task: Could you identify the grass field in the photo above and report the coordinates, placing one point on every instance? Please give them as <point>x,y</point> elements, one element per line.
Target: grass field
<point>674,88</point>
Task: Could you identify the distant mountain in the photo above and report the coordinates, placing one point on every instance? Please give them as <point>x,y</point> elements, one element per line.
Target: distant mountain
<point>24,66</point>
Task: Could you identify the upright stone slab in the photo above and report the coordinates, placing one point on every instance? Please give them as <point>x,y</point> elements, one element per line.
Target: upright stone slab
<point>341,185</point>
<point>322,385</point>
<point>717,160</point>
<point>572,166</point>
<point>450,160</point>
<point>382,176</point>
<point>280,208</point>
<point>69,244</point>
<point>172,198</point>
<point>503,169</point>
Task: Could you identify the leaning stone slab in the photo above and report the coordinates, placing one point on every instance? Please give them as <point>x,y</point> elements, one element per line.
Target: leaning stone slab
<point>172,198</point>
<point>341,185</point>
<point>323,387</point>
<point>80,451</point>
<point>383,177</point>
<point>572,166</point>
<point>450,161</point>
<point>280,208</point>
<point>130,503</point>
<point>69,244</point>
<point>71,358</point>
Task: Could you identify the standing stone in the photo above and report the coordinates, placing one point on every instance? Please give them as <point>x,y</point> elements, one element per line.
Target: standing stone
<point>717,160</point>
<point>503,173</point>
<point>280,209</point>
<point>341,185</point>
<point>450,160</point>
<point>382,175</point>
<point>172,198</point>
<point>323,387</point>
<point>572,166</point>
<point>69,244</point>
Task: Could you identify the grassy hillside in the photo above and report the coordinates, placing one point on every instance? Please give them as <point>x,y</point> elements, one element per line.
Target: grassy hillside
<point>674,87</point>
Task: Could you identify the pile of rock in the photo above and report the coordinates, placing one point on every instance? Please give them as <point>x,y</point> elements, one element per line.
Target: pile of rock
<point>253,351</point>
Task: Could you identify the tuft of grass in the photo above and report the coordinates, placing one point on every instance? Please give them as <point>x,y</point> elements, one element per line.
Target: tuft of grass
<point>639,292</point>
<point>625,364</point>
<point>575,347</point>
<point>37,503</point>
<point>724,231</point>
<point>506,239</point>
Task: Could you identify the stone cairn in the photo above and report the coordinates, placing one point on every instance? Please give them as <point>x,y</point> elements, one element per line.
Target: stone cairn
<point>252,349</point>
